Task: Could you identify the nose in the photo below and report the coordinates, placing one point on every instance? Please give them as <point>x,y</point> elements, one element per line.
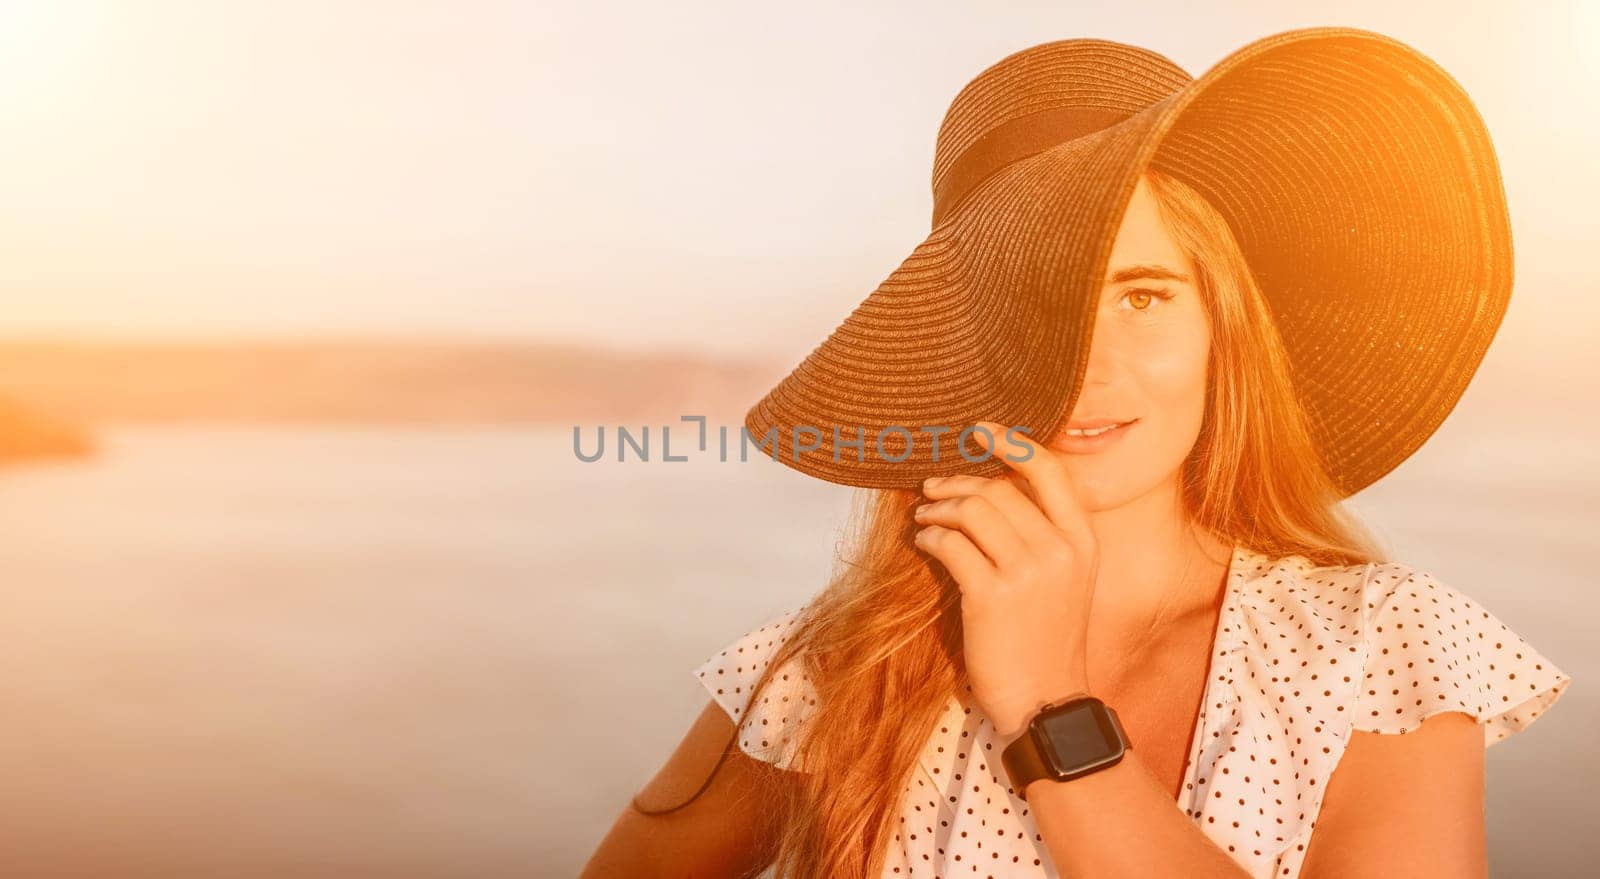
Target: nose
<point>1102,360</point>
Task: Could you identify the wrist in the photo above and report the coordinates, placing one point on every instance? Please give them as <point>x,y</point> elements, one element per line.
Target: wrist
<point>1077,736</point>
<point>1011,726</point>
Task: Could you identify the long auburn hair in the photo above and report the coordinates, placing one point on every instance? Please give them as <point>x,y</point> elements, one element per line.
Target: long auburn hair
<point>881,643</point>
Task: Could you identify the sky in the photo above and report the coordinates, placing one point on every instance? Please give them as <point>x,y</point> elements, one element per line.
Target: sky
<point>719,177</point>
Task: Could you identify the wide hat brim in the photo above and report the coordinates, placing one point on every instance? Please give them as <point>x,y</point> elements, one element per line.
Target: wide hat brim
<point>1355,173</point>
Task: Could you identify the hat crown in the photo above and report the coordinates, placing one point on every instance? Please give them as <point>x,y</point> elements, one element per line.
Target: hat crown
<point>1040,96</point>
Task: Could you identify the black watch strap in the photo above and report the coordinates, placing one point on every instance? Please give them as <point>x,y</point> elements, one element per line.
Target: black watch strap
<point>1025,763</point>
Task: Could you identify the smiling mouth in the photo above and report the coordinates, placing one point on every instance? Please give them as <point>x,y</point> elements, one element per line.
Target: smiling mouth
<point>1095,431</point>
<point>1085,442</point>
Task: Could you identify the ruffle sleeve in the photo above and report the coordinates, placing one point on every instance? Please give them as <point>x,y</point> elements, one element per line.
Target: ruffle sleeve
<point>1434,649</point>
<point>767,728</point>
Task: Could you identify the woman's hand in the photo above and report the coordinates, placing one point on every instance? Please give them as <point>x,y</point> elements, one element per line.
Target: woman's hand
<point>1025,557</point>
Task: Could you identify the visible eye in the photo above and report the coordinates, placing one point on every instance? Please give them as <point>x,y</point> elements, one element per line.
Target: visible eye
<point>1143,298</point>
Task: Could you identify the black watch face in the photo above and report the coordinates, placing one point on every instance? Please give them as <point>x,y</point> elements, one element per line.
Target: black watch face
<point>1079,736</point>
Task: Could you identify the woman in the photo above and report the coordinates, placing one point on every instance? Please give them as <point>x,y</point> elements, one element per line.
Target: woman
<point>1192,568</point>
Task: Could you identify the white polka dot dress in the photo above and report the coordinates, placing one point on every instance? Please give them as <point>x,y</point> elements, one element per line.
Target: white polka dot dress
<point>1303,656</point>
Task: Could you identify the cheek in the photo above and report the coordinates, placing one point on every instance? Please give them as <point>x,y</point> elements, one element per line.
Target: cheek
<point>1169,372</point>
<point>1172,375</point>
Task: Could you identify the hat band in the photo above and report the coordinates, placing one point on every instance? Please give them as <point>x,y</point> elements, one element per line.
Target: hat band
<point>1010,141</point>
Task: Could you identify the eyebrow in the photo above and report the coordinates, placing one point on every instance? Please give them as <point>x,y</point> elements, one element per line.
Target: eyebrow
<point>1155,271</point>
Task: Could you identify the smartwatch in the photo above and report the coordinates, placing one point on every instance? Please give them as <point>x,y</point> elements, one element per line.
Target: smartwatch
<point>1068,739</point>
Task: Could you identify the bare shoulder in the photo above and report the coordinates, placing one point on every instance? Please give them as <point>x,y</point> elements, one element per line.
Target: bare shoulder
<point>714,818</point>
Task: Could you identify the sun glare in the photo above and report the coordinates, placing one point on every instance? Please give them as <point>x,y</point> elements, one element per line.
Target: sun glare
<point>45,50</point>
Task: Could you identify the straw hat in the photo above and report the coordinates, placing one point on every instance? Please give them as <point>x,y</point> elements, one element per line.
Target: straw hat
<point>1355,173</point>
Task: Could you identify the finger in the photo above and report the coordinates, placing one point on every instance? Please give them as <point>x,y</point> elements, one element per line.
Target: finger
<point>1008,494</point>
<point>1013,478</point>
<point>985,524</point>
<point>970,568</point>
<point>1046,472</point>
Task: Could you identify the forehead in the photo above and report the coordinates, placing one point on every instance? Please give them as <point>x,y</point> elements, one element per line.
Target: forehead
<point>1144,240</point>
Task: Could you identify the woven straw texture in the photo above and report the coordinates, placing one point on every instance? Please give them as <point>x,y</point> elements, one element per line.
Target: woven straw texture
<point>1356,174</point>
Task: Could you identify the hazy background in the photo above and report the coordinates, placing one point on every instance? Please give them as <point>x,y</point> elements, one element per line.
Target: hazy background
<point>301,301</point>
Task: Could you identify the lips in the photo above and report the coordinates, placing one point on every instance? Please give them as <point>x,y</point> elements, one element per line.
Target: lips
<point>1083,445</point>
<point>1095,428</point>
<point>1092,422</point>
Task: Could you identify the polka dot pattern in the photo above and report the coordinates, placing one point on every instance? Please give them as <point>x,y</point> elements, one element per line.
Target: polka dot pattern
<point>1303,657</point>
<point>767,728</point>
<point>1435,650</point>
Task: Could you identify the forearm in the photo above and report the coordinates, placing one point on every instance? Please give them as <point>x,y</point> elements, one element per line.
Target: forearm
<point>1121,822</point>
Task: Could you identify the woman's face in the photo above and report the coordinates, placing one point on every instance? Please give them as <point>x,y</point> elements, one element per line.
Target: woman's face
<point>1147,362</point>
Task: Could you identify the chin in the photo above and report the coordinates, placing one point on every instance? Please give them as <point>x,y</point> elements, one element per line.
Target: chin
<point>1099,490</point>
<point>1104,486</point>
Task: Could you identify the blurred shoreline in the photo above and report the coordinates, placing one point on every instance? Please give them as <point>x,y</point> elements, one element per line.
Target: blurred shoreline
<point>369,381</point>
<point>55,392</point>
<point>27,434</point>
